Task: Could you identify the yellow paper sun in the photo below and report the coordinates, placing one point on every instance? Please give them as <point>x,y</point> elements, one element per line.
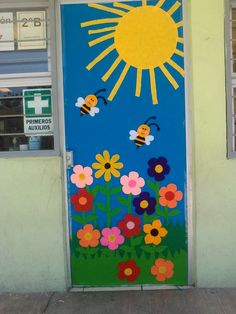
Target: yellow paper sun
<point>144,37</point>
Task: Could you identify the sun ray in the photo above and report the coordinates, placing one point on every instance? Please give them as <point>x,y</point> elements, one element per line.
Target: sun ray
<point>144,2</point>
<point>138,82</point>
<point>111,69</point>
<point>100,57</point>
<point>176,67</point>
<point>169,76</point>
<point>174,8</point>
<point>179,53</point>
<point>119,82</point>
<point>160,3</point>
<point>101,30</point>
<point>180,24</point>
<point>180,40</point>
<point>101,39</point>
<point>106,9</point>
<point>99,21</point>
<point>153,86</point>
<point>123,6</point>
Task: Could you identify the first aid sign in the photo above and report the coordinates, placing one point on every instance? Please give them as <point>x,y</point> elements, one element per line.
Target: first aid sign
<point>37,105</point>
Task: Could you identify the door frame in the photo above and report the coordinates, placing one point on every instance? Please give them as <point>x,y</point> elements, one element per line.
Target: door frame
<point>55,5</point>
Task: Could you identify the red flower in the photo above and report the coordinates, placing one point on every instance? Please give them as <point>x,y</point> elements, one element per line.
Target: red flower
<point>130,225</point>
<point>82,201</point>
<point>128,270</point>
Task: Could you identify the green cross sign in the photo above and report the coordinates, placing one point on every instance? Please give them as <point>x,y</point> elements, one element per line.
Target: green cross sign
<point>37,105</point>
<point>37,102</point>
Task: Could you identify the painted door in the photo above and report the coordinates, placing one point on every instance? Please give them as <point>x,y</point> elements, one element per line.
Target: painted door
<point>124,99</point>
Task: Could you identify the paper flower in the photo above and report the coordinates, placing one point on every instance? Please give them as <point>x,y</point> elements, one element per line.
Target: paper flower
<point>82,176</point>
<point>88,236</point>
<point>154,232</point>
<point>158,168</point>
<point>130,226</point>
<point>128,270</point>
<point>82,201</point>
<point>163,269</point>
<point>111,238</point>
<point>132,183</point>
<point>144,204</point>
<point>170,196</point>
<point>107,166</point>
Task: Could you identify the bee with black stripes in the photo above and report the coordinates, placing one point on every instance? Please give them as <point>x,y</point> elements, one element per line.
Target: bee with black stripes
<point>88,105</point>
<point>142,135</point>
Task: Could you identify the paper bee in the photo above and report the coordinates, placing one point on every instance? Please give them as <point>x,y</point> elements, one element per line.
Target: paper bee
<point>88,105</point>
<point>142,135</point>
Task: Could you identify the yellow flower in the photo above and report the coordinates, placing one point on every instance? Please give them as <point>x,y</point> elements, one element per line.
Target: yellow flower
<point>107,166</point>
<point>154,232</point>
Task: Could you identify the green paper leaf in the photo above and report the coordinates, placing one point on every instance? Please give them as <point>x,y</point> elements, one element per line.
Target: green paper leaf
<point>95,190</point>
<point>115,212</point>
<point>160,213</point>
<point>91,217</point>
<point>174,212</point>
<point>125,248</point>
<point>103,189</point>
<point>153,186</point>
<point>101,206</point>
<point>135,241</point>
<point>78,219</point>
<point>116,190</point>
<point>148,249</point>
<point>122,200</point>
<point>160,249</point>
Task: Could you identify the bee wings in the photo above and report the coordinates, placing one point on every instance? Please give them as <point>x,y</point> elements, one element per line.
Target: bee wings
<point>80,102</point>
<point>93,111</point>
<point>133,134</point>
<point>149,139</point>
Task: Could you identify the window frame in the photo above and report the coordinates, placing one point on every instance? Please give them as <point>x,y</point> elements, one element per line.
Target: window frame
<point>230,80</point>
<point>36,78</point>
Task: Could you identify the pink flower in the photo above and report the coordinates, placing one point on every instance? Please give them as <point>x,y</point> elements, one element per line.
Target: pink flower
<point>132,183</point>
<point>82,176</point>
<point>112,238</point>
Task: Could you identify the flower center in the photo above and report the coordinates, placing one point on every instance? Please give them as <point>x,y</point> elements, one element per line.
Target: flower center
<point>154,232</point>
<point>132,183</point>
<point>169,196</point>
<point>82,200</point>
<point>130,225</point>
<point>144,204</point>
<point>159,169</point>
<point>128,272</point>
<point>162,269</point>
<point>107,165</point>
<point>88,236</point>
<point>81,176</point>
<point>112,238</point>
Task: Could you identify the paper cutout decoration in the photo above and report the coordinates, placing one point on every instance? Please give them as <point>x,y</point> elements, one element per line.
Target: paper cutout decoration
<point>87,105</point>
<point>142,135</point>
<point>145,37</point>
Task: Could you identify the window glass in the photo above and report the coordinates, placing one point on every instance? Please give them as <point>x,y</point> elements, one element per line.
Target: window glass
<point>24,41</point>
<point>26,121</point>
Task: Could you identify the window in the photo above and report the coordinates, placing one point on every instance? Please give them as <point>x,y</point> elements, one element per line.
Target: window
<point>28,108</point>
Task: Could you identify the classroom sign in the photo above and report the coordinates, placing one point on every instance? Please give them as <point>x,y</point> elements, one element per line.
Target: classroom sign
<point>6,31</point>
<point>37,104</point>
<point>124,99</point>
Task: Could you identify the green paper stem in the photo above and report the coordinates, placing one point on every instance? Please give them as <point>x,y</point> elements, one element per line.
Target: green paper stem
<point>129,204</point>
<point>166,214</point>
<point>108,195</point>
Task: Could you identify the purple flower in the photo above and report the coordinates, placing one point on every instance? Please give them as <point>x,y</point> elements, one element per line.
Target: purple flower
<point>144,204</point>
<point>158,168</point>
